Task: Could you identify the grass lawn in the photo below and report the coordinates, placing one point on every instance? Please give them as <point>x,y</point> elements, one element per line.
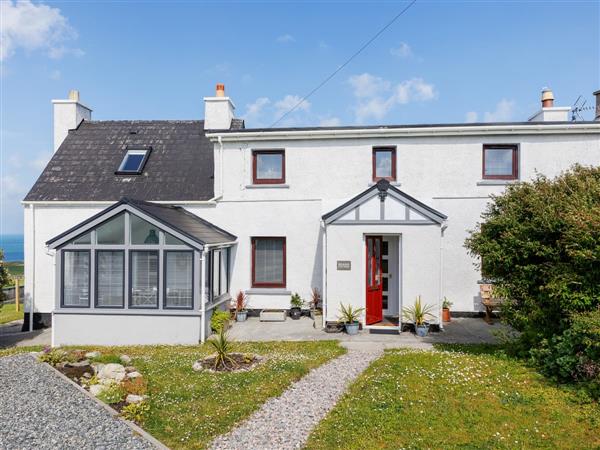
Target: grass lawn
<point>8,314</point>
<point>188,409</point>
<point>470,397</point>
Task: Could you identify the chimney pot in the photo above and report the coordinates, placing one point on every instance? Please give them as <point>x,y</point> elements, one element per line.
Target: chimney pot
<point>547,98</point>
<point>597,95</point>
<point>220,90</point>
<point>74,95</point>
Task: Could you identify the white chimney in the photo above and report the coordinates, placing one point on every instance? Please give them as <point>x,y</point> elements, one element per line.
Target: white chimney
<point>68,114</point>
<point>549,112</point>
<point>218,110</point>
<point>597,109</point>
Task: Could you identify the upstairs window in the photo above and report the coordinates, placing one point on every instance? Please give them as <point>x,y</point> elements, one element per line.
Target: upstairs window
<point>134,161</point>
<point>500,162</point>
<point>384,163</point>
<point>268,166</point>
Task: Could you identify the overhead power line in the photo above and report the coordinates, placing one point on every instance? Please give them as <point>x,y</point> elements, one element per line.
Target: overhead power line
<point>335,72</point>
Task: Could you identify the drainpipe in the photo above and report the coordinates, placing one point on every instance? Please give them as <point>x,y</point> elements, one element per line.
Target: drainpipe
<point>444,226</point>
<point>203,296</point>
<point>219,194</point>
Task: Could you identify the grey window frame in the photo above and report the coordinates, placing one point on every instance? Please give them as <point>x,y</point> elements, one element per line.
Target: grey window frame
<point>211,266</point>
<point>164,302</point>
<point>62,279</point>
<point>158,278</point>
<point>96,252</point>
<point>140,169</point>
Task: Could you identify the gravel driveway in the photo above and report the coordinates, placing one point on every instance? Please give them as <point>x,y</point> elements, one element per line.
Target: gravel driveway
<point>40,410</point>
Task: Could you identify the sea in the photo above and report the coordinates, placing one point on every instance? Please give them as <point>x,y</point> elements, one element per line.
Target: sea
<point>12,245</point>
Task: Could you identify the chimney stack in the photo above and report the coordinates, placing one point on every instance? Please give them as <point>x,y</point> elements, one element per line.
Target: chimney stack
<point>549,112</point>
<point>218,110</point>
<point>597,115</point>
<point>68,114</point>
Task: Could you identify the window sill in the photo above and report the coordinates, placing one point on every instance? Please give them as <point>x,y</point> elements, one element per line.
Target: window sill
<point>267,186</point>
<point>268,291</point>
<point>129,312</point>
<point>496,182</point>
<point>392,183</point>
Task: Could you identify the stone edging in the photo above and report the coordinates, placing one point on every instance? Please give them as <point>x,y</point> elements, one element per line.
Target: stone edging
<point>135,428</point>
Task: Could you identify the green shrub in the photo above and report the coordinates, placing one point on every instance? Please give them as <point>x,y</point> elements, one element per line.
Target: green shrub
<point>53,356</point>
<point>539,244</point>
<point>135,412</point>
<point>218,320</point>
<point>573,355</point>
<point>114,393</point>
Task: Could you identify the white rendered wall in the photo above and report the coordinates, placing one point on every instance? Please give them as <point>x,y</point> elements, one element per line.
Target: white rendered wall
<point>419,264</point>
<point>114,329</point>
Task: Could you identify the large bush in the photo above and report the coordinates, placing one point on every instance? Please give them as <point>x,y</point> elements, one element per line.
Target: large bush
<point>573,355</point>
<point>540,244</point>
<point>4,276</point>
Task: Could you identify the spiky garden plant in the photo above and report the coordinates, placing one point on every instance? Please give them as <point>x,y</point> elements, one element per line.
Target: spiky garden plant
<point>417,313</point>
<point>349,314</point>
<point>223,347</point>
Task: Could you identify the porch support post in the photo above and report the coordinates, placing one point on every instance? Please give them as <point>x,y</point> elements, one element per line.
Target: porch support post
<point>324,293</point>
<point>203,295</point>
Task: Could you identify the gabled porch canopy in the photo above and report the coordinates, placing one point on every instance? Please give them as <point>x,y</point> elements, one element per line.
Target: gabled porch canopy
<point>383,203</point>
<point>184,225</point>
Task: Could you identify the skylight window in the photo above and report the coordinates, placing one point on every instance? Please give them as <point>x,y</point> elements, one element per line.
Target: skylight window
<point>134,161</point>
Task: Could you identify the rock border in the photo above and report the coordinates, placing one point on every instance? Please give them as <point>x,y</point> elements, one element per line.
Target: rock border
<point>134,427</point>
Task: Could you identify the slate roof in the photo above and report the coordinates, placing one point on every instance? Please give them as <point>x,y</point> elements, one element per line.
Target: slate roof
<point>180,166</point>
<point>174,217</point>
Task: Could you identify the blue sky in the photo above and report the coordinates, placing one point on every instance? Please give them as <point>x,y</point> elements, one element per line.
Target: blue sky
<point>440,62</point>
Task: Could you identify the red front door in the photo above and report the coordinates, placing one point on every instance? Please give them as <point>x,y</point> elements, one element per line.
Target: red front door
<point>374,280</point>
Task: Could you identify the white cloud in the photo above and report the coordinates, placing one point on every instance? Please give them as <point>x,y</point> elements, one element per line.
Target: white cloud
<point>55,75</point>
<point>285,39</point>
<point>254,110</point>
<point>471,117</point>
<point>330,122</point>
<point>39,162</point>
<point>403,50</point>
<point>34,27</point>
<point>503,113</point>
<point>377,96</point>
<point>290,101</point>
<point>263,111</point>
<point>323,45</point>
<point>367,85</point>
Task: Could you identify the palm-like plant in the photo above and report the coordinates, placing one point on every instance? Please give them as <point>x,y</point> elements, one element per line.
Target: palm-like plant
<point>241,302</point>
<point>223,347</point>
<point>349,314</point>
<point>417,313</point>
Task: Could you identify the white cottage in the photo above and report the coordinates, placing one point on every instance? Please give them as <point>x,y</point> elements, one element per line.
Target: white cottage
<point>137,231</point>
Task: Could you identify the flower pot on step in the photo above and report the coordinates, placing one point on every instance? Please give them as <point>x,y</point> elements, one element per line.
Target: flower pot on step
<point>241,316</point>
<point>295,313</point>
<point>422,330</point>
<point>446,314</point>
<point>352,328</point>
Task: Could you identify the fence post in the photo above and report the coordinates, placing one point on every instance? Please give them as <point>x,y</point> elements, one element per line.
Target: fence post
<point>16,294</point>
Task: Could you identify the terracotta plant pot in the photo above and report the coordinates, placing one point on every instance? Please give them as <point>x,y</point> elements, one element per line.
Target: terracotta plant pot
<point>446,314</point>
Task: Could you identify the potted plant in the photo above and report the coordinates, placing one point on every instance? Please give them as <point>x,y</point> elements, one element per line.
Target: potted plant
<point>446,304</point>
<point>241,307</point>
<point>349,317</point>
<point>296,306</point>
<point>417,314</point>
<point>315,302</point>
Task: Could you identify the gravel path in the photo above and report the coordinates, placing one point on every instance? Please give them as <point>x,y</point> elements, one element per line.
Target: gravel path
<point>285,422</point>
<point>40,410</point>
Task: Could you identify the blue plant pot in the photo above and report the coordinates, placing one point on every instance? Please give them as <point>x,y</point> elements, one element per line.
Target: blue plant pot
<point>422,330</point>
<point>352,328</point>
<point>241,316</point>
